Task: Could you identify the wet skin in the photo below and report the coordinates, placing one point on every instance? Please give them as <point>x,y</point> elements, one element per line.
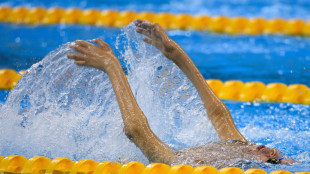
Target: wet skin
<point>136,125</point>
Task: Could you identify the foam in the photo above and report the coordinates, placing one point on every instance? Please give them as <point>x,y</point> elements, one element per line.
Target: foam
<point>61,109</point>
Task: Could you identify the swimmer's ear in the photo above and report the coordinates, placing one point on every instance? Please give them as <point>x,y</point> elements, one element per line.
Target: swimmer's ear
<point>272,153</point>
<point>101,43</point>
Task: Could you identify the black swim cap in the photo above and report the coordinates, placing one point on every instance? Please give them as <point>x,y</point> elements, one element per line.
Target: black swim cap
<point>274,160</point>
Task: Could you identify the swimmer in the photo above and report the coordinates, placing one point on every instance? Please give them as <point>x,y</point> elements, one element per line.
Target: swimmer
<point>233,145</point>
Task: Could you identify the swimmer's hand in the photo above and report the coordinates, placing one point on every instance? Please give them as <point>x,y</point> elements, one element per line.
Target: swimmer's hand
<point>101,57</point>
<point>157,37</point>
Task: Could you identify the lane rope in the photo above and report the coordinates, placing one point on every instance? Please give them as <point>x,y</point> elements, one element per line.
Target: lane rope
<point>40,164</point>
<point>229,90</point>
<point>113,18</point>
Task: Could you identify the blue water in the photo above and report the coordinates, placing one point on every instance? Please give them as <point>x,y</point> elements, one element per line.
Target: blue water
<point>266,58</point>
<point>272,58</point>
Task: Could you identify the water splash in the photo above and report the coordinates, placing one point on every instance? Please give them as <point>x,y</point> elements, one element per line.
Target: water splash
<point>164,93</point>
<point>60,109</point>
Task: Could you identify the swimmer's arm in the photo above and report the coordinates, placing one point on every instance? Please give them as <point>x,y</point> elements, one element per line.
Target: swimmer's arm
<point>136,125</point>
<point>216,109</point>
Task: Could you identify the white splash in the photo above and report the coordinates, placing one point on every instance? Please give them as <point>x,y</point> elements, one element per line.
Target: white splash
<point>59,109</point>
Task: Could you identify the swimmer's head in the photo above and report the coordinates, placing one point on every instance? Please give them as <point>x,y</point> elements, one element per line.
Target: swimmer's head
<point>271,155</point>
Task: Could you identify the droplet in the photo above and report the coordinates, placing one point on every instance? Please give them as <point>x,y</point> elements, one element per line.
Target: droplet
<point>17,39</point>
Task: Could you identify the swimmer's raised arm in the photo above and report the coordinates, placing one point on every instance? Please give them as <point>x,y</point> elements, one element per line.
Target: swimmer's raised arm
<point>216,109</point>
<point>136,125</point>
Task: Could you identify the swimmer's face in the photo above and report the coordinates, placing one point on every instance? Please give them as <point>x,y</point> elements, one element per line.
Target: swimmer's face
<point>266,153</point>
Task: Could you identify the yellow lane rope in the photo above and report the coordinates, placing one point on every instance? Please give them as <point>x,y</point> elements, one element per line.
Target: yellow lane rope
<point>42,165</point>
<point>230,90</point>
<point>113,18</point>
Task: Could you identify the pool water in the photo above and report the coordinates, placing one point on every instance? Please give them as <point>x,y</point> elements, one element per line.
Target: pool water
<point>266,58</point>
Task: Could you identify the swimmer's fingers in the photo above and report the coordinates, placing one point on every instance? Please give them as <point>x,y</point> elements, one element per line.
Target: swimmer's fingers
<point>80,62</point>
<point>144,24</point>
<point>76,56</point>
<point>144,32</point>
<point>79,48</point>
<point>101,43</point>
<point>151,27</point>
<point>147,40</point>
<point>79,59</point>
<point>141,21</point>
<point>83,43</point>
<point>152,31</point>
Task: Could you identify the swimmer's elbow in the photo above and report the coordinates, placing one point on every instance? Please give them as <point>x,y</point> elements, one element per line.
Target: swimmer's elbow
<point>130,132</point>
<point>135,127</point>
<point>134,132</point>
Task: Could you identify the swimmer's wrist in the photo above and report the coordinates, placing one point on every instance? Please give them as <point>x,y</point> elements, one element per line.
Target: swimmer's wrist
<point>180,57</point>
<point>175,52</point>
<point>113,65</point>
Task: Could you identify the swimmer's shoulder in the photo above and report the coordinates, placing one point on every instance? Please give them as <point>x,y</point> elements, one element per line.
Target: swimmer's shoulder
<point>214,146</point>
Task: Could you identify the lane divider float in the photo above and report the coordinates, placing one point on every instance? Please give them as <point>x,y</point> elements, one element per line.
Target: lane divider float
<point>229,90</point>
<point>9,78</point>
<point>43,165</point>
<point>259,92</point>
<point>113,18</point>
